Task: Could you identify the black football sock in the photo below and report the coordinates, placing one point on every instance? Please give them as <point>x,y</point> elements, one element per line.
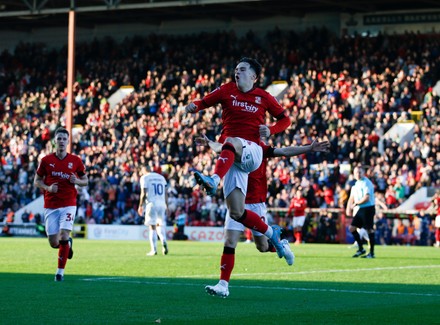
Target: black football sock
<point>371,235</point>
<point>358,239</point>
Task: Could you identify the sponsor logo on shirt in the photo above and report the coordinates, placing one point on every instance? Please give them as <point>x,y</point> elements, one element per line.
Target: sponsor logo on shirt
<point>61,174</point>
<point>245,106</point>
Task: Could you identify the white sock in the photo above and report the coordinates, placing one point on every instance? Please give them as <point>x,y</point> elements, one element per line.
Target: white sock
<point>60,271</point>
<point>162,235</point>
<point>224,283</point>
<point>269,232</point>
<point>153,240</point>
<point>216,179</point>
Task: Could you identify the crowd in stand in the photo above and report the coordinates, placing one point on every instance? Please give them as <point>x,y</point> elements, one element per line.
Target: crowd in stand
<point>348,90</point>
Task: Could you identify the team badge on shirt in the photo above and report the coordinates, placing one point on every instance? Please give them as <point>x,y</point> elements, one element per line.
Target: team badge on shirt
<point>70,165</point>
<point>257,99</point>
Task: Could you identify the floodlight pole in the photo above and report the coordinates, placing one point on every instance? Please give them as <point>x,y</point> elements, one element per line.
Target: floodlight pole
<point>70,71</point>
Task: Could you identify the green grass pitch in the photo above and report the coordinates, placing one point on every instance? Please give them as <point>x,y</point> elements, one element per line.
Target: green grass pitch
<point>113,282</point>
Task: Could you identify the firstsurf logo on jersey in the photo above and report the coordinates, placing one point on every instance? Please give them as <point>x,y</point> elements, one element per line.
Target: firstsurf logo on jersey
<point>61,175</point>
<point>245,106</point>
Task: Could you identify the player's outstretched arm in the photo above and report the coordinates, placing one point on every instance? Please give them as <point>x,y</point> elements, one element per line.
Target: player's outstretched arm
<point>205,141</point>
<point>191,108</point>
<point>323,146</point>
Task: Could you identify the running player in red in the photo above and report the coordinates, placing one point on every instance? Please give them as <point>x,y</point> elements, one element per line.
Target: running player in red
<point>436,204</point>
<point>298,205</point>
<point>243,116</point>
<point>255,201</point>
<point>57,175</point>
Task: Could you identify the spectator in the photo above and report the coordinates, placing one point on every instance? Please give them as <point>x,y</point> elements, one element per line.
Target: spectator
<point>349,106</point>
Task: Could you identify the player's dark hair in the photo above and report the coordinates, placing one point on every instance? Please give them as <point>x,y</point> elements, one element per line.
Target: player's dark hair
<point>61,130</point>
<point>255,65</point>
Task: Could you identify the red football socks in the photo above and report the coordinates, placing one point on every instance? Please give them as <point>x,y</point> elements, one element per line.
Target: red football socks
<point>298,236</point>
<point>225,161</point>
<point>227,263</point>
<point>63,253</point>
<point>253,221</point>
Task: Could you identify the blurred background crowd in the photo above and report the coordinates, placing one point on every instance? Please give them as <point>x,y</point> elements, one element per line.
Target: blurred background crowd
<point>347,90</point>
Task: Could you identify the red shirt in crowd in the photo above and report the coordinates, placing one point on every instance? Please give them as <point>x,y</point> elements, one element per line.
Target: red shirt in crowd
<point>299,206</point>
<point>328,196</point>
<point>438,206</point>
<point>55,170</point>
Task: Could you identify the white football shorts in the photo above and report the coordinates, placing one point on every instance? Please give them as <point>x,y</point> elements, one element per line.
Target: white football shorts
<point>298,221</point>
<point>258,208</point>
<point>237,175</point>
<point>61,218</point>
<point>155,214</point>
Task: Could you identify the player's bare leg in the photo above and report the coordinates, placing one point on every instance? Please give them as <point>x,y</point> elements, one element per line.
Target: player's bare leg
<point>263,245</point>
<point>236,205</point>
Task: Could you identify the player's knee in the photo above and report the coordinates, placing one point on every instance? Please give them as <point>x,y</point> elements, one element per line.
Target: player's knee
<point>262,247</point>
<point>230,140</point>
<point>236,213</point>
<point>233,144</point>
<point>261,243</point>
<point>230,242</point>
<point>54,243</point>
<point>229,145</point>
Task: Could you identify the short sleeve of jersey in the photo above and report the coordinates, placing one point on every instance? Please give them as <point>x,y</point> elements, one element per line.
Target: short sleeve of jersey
<point>274,108</point>
<point>41,171</point>
<point>81,169</point>
<point>215,96</point>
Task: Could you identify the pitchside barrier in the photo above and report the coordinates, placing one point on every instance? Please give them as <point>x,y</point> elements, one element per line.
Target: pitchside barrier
<point>342,222</point>
<point>208,234</point>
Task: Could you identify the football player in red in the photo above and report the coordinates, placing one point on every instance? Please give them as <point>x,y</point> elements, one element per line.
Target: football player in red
<point>57,175</point>
<point>255,201</point>
<point>436,204</point>
<point>244,110</point>
<point>298,205</point>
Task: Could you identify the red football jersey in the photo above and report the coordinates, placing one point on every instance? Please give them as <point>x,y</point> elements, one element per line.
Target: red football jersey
<point>299,206</point>
<point>242,113</point>
<point>55,170</point>
<point>257,181</point>
<point>257,185</point>
<point>438,206</point>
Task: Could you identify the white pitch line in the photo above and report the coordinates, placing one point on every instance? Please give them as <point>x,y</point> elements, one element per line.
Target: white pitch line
<point>125,280</point>
<point>325,271</point>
